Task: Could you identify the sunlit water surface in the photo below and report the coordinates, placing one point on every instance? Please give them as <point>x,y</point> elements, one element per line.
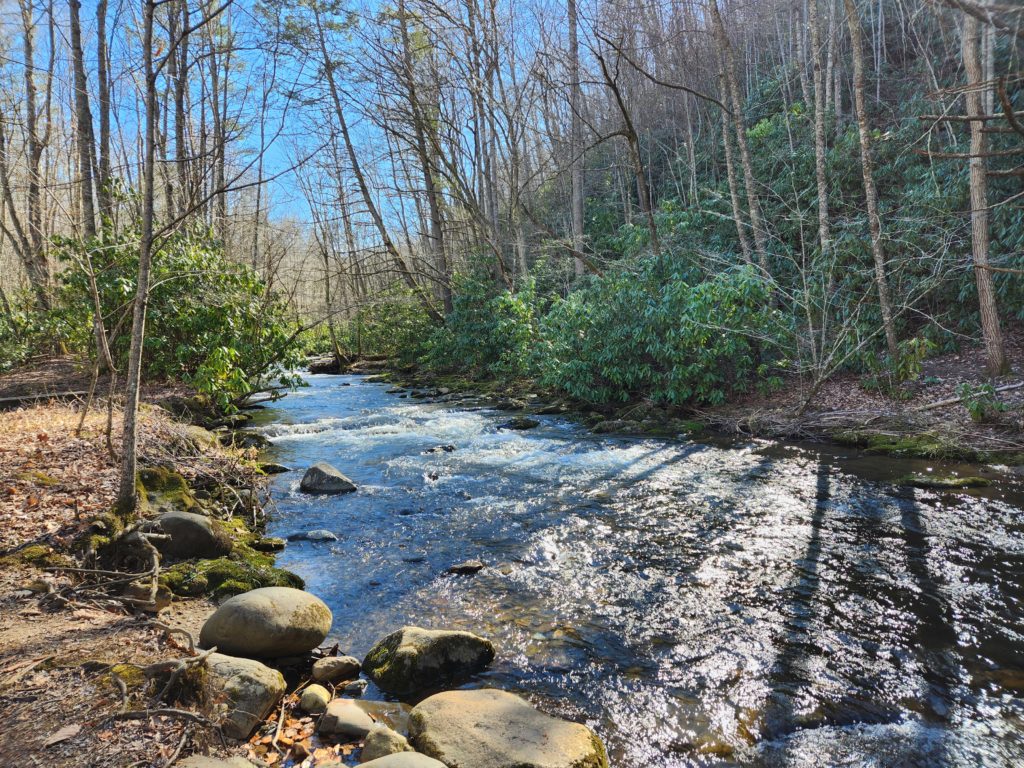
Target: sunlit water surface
<point>697,604</point>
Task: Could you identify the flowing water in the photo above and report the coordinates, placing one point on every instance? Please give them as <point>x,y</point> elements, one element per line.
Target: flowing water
<point>695,603</point>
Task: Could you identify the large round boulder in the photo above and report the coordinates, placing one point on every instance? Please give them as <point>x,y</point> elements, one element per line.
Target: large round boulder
<point>245,690</point>
<point>495,729</point>
<point>404,760</point>
<point>323,478</point>
<point>192,536</point>
<point>413,659</point>
<point>268,623</point>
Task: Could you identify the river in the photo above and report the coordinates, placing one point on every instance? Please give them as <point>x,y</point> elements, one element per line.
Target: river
<point>696,603</point>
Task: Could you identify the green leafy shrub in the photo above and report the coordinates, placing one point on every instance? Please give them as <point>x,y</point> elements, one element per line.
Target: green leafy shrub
<point>981,401</point>
<point>210,323</point>
<point>655,334</point>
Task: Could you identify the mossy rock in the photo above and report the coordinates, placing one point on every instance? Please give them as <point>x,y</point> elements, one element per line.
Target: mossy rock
<point>227,576</point>
<point>101,533</point>
<point>925,445</point>
<point>165,489</point>
<point>944,482</point>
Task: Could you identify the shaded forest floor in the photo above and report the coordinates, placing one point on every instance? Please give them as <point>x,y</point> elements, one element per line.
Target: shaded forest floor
<point>59,702</point>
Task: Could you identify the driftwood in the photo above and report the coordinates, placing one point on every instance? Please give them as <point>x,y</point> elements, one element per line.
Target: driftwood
<point>8,403</point>
<point>954,400</point>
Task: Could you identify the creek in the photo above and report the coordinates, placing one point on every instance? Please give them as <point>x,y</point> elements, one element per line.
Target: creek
<point>696,603</point>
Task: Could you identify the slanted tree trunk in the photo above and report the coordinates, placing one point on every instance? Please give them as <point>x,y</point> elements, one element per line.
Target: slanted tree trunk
<point>975,71</point>
<point>867,170</point>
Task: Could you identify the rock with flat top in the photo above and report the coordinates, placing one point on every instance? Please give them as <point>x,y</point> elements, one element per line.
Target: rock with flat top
<point>268,623</point>
<point>414,659</point>
<point>495,729</point>
<point>245,690</point>
<point>323,478</point>
<point>467,568</point>
<point>335,669</point>
<point>344,718</point>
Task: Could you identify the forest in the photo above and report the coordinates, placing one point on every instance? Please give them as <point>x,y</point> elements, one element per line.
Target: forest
<point>672,351</point>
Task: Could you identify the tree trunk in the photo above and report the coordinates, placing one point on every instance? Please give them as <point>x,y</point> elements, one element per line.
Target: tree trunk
<point>732,85</point>
<point>83,136</point>
<point>824,226</point>
<point>974,69</point>
<point>730,172</point>
<point>126,497</point>
<point>103,76</point>
<point>575,139</point>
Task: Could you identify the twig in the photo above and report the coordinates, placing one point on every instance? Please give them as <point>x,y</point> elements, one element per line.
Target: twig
<point>179,668</point>
<point>143,714</point>
<point>181,745</point>
<point>176,630</point>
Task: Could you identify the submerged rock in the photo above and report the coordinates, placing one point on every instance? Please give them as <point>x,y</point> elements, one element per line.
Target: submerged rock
<point>344,718</point>
<point>273,468</point>
<point>192,535</point>
<point>468,568</point>
<point>381,741</point>
<point>320,534</point>
<point>944,482</point>
<point>520,423</point>
<point>268,623</point>
<point>323,478</point>
<point>495,729</point>
<point>415,659</point>
<point>249,691</point>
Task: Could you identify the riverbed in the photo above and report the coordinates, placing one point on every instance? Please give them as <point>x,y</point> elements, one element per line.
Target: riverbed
<point>696,603</point>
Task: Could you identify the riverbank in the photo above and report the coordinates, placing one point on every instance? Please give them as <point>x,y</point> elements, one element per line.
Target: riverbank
<point>924,417</point>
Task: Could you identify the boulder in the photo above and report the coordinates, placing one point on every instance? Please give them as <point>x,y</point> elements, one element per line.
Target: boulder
<point>415,659</point>
<point>344,718</point>
<point>494,729</point>
<point>192,536</point>
<point>315,699</point>
<point>202,761</point>
<point>520,423</point>
<point>320,534</point>
<point>393,714</point>
<point>323,478</point>
<point>467,568</point>
<point>268,623</point>
<point>382,741</point>
<point>335,669</point>
<point>404,760</point>
<point>246,691</point>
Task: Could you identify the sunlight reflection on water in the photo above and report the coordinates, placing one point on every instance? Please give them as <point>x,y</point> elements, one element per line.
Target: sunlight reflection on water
<point>696,604</point>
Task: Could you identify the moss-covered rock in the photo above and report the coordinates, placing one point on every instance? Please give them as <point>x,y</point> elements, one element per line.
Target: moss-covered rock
<point>944,482</point>
<point>223,577</point>
<point>39,478</point>
<point>165,490</point>
<point>414,659</point>
<point>925,445</point>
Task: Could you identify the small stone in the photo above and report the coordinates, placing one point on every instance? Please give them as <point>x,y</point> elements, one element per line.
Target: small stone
<point>269,544</point>
<point>271,468</point>
<point>355,688</point>
<point>344,718</point>
<point>468,568</point>
<point>323,478</point>
<point>315,699</point>
<point>382,741</point>
<point>520,423</point>
<point>335,669</point>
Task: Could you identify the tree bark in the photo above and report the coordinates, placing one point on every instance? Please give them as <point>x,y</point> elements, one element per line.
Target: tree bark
<point>575,138</point>
<point>867,170</point>
<point>990,329</point>
<point>84,135</point>
<point>821,179</point>
<point>127,498</point>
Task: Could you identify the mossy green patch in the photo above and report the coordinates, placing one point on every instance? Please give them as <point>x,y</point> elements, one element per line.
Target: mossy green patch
<point>37,477</point>
<point>41,556</point>
<point>131,674</point>
<point>926,445</point>
<point>163,488</point>
<point>944,482</point>
<point>225,576</point>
